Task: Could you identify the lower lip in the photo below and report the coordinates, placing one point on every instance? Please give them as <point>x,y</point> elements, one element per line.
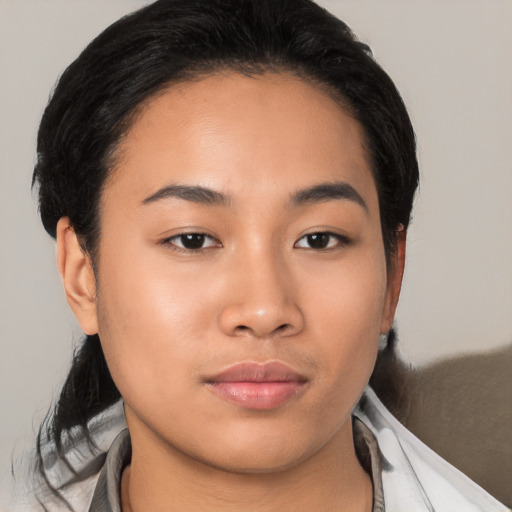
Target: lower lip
<point>257,395</point>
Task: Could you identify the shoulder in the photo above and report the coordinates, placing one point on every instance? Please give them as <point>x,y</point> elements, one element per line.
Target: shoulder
<point>413,476</point>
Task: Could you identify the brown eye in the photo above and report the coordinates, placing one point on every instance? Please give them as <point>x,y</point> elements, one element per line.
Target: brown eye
<point>321,240</point>
<point>318,240</point>
<point>192,242</point>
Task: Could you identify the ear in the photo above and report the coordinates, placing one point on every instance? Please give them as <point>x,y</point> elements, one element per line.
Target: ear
<point>394,284</point>
<point>75,268</point>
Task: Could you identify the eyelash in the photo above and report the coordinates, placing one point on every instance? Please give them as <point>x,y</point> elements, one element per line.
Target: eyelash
<point>171,242</point>
<point>341,241</point>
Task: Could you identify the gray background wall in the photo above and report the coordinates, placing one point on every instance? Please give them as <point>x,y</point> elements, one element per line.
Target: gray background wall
<point>452,61</point>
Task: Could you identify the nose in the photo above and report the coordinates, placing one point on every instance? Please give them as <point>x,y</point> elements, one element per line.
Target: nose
<point>263,300</point>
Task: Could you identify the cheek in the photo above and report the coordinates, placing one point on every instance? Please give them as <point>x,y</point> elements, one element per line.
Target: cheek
<point>347,304</point>
<point>152,318</point>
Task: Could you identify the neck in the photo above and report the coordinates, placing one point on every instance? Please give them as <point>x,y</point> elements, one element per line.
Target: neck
<point>161,478</point>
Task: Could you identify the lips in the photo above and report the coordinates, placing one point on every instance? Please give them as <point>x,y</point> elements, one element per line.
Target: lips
<point>253,385</point>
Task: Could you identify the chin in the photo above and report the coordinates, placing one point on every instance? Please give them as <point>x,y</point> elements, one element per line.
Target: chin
<point>253,451</point>
<point>257,462</point>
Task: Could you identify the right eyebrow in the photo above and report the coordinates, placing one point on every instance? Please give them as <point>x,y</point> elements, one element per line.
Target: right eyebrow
<point>193,193</point>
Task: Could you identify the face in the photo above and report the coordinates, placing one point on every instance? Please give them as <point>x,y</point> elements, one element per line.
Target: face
<point>242,281</point>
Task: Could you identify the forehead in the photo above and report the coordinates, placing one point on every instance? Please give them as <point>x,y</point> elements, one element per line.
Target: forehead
<point>240,134</point>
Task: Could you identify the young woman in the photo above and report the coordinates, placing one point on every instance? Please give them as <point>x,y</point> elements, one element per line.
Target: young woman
<point>230,185</point>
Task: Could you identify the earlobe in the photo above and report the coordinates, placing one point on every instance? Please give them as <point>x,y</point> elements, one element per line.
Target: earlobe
<point>76,271</point>
<point>394,284</point>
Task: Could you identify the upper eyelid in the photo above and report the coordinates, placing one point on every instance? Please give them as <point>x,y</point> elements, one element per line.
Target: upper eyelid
<point>191,232</point>
<point>339,236</point>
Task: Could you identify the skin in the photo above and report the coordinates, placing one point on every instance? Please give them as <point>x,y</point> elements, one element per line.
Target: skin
<point>169,317</point>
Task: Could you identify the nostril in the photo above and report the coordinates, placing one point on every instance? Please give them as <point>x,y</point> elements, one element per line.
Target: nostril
<point>242,329</point>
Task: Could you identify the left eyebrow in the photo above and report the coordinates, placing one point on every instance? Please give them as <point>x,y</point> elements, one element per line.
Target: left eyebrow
<point>328,192</point>
<point>192,193</point>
